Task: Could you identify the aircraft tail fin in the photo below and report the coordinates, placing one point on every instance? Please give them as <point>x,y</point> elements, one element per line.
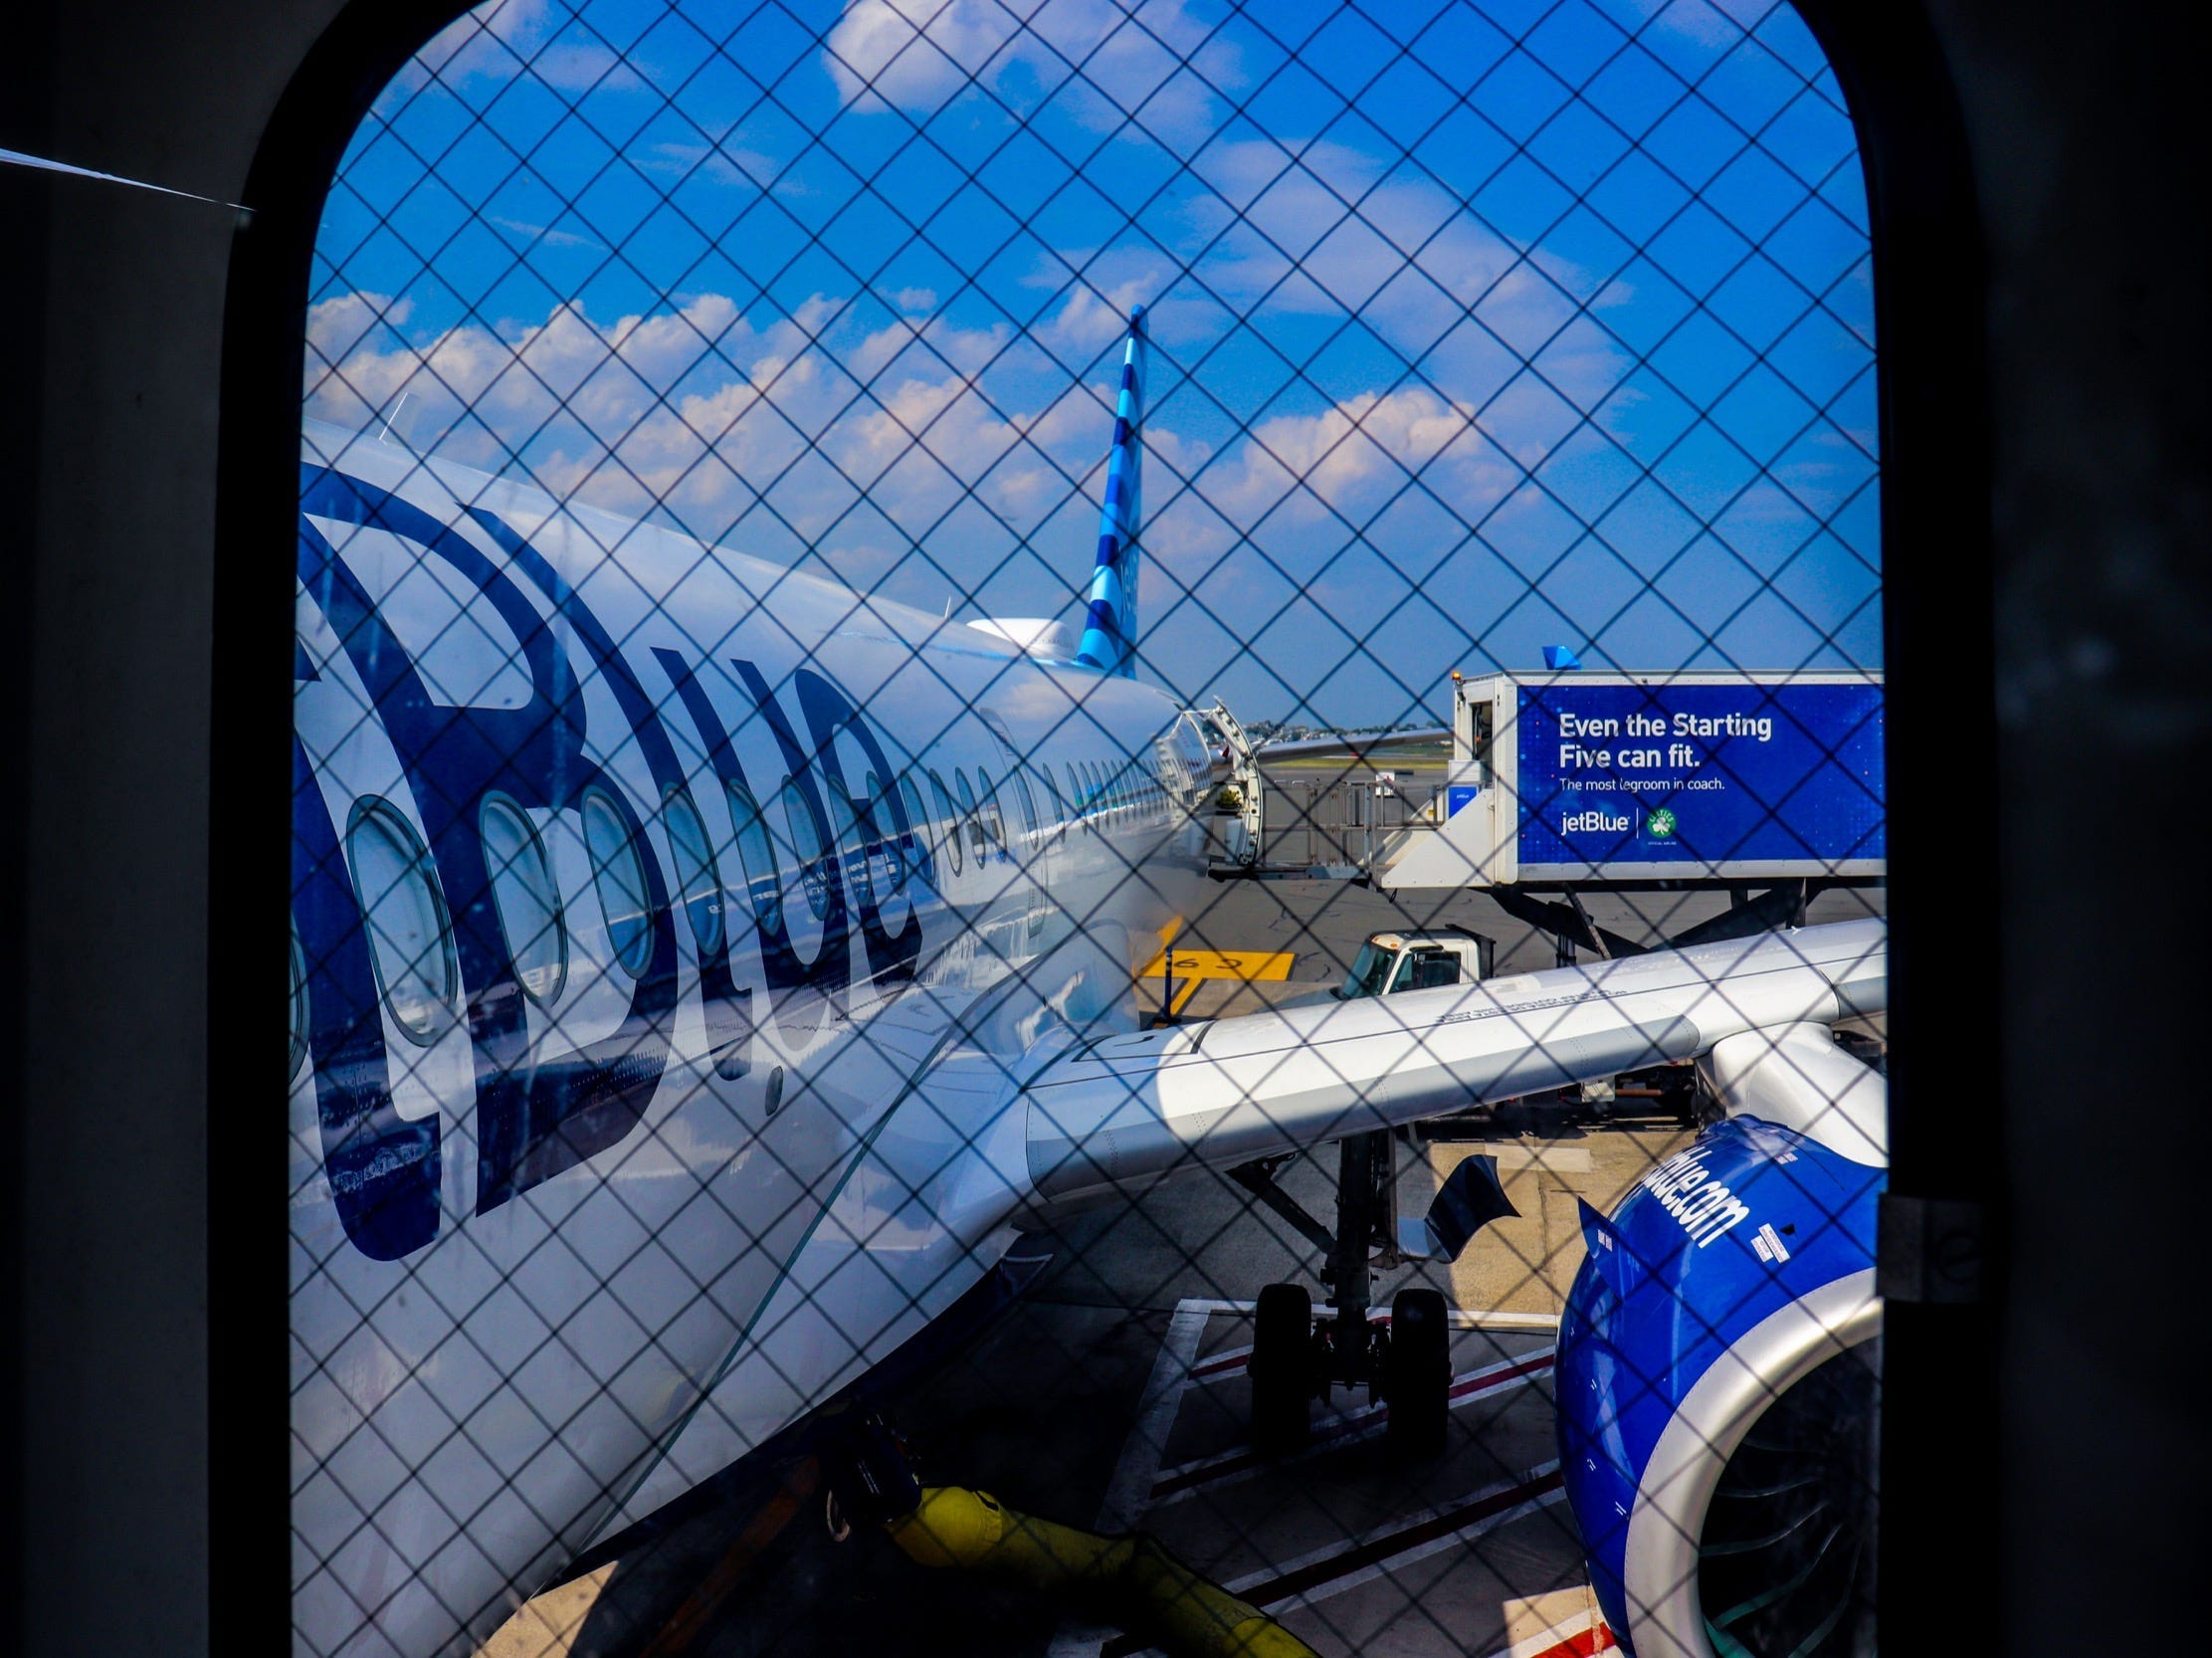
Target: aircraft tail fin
<point>1109,619</point>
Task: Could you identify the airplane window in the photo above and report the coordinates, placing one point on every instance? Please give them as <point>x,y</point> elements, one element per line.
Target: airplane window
<point>618,876</point>
<point>700,883</point>
<point>299,1003</point>
<point>1059,806</point>
<point>951,814</point>
<point>1028,800</point>
<point>410,939</point>
<point>917,851</point>
<point>527,897</point>
<point>809,846</point>
<point>854,843</point>
<point>1074,792</point>
<point>967,807</point>
<point>883,832</point>
<point>987,796</point>
<point>756,855</point>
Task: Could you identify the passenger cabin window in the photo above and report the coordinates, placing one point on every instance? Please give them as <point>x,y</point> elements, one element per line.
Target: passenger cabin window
<point>700,886</point>
<point>917,856</point>
<point>756,858</point>
<point>948,813</point>
<point>527,897</point>
<point>808,847</point>
<point>987,796</point>
<point>618,877</point>
<point>879,830</point>
<point>410,935</point>
<point>852,841</point>
<point>298,1004</point>
<point>968,812</point>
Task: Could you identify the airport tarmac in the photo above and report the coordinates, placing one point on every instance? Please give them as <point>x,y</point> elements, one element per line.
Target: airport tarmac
<point>1112,1396</point>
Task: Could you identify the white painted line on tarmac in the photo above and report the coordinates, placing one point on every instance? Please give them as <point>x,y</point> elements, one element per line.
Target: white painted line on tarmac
<point>1459,1320</point>
<point>1326,1573</point>
<point>1230,1362</point>
<point>1341,1428</point>
<point>1130,1489</point>
<point>1329,1571</point>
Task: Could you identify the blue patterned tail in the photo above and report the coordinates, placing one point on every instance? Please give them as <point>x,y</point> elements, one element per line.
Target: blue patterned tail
<point>1110,620</point>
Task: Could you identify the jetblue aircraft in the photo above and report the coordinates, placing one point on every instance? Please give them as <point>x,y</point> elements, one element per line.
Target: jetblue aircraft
<point>703,975</point>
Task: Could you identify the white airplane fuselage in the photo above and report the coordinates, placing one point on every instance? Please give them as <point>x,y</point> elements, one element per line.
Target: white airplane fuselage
<point>608,1161</point>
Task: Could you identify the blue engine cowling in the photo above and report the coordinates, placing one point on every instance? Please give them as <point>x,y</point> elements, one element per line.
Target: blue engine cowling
<point>1715,1384</point>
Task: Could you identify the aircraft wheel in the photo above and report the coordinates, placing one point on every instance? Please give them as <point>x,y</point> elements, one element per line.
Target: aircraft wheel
<point>1417,1372</point>
<point>1282,1354</point>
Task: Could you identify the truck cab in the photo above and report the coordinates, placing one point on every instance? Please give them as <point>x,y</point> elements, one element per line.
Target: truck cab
<point>1388,962</point>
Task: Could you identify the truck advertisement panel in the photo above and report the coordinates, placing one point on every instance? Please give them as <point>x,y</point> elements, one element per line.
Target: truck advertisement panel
<point>1700,775</point>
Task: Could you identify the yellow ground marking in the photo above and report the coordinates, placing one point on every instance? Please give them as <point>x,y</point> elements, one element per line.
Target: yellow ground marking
<point>1192,966</point>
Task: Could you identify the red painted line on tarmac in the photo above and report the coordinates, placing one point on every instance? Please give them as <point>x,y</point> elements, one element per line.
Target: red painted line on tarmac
<point>1586,1644</point>
<point>1473,1384</point>
<point>1595,1636</point>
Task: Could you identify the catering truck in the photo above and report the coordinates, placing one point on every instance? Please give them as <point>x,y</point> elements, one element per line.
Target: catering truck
<point>1568,777</point>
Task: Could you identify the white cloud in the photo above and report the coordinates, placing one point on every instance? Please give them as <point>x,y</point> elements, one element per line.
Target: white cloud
<point>699,412</point>
<point>508,38</point>
<point>1353,456</point>
<point>766,442</point>
<point>337,326</point>
<point>919,54</point>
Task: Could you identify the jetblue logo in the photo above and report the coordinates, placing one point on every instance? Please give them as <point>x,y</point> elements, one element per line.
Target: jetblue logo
<point>1703,1206</point>
<point>1595,821</point>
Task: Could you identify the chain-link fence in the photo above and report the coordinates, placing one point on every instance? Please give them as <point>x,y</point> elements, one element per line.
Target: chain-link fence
<point>786,1031</point>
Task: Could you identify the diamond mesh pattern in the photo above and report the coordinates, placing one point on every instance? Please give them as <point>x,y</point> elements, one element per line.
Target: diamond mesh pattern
<point>681,889</point>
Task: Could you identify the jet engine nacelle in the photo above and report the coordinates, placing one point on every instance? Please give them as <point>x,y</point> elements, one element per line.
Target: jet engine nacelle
<point>1717,1378</point>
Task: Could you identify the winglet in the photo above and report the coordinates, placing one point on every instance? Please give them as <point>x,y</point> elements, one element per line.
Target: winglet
<point>1471,1197</point>
<point>1109,619</point>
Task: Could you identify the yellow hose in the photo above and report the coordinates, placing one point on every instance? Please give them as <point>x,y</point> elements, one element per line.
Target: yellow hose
<point>1132,1581</point>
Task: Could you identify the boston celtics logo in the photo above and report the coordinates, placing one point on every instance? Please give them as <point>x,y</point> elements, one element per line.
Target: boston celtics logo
<point>1660,825</point>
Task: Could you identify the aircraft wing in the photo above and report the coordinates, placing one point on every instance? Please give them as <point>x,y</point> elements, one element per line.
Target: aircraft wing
<point>1119,1113</point>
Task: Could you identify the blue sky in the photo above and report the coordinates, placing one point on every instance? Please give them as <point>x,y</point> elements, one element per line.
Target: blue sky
<point>1476,327</point>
